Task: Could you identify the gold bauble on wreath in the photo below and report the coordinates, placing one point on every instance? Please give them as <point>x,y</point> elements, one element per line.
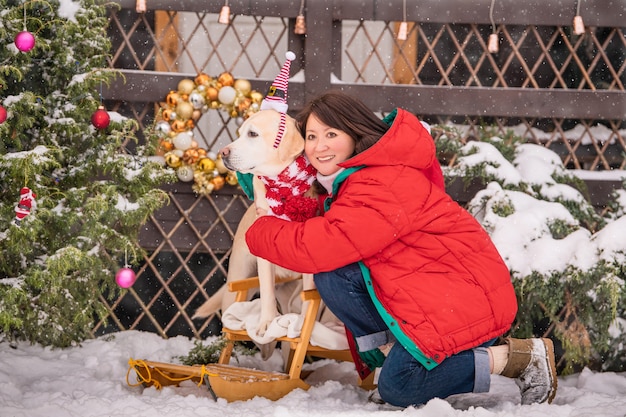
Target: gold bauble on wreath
<point>184,110</point>
<point>243,86</point>
<point>186,86</point>
<point>180,113</point>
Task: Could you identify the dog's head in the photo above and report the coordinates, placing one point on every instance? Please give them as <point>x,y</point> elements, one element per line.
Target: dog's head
<point>255,151</point>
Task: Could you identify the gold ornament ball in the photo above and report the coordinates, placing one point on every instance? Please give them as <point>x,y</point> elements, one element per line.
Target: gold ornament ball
<point>173,160</point>
<point>190,156</point>
<point>166,145</point>
<point>212,93</point>
<point>179,126</point>
<point>226,79</point>
<point>256,97</point>
<point>231,178</point>
<point>202,79</point>
<point>243,86</point>
<point>218,182</point>
<point>172,98</point>
<point>167,114</point>
<point>243,105</point>
<point>206,165</point>
<point>186,86</point>
<point>184,110</point>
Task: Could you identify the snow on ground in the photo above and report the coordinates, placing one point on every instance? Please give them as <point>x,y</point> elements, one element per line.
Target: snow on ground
<point>91,380</point>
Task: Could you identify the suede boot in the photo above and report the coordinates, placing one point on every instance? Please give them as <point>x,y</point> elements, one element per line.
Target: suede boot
<point>531,363</point>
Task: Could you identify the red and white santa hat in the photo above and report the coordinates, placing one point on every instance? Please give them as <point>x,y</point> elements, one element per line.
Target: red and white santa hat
<point>276,98</point>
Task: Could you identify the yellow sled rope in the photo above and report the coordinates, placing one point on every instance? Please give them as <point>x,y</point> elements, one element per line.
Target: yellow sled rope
<point>144,370</point>
<point>223,381</point>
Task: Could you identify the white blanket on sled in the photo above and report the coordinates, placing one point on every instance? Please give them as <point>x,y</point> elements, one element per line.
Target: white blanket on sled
<point>245,316</point>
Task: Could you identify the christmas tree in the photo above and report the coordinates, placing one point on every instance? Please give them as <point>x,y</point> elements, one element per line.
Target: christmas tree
<point>72,199</point>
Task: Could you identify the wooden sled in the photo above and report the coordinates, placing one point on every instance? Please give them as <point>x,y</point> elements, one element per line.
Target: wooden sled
<point>236,383</point>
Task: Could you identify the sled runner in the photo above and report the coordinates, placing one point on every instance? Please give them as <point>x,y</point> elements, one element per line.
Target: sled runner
<point>235,383</point>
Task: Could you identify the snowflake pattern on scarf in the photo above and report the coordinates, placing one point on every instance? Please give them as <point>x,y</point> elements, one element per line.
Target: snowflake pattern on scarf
<point>285,192</point>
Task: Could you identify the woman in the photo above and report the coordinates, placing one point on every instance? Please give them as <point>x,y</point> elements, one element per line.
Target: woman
<point>413,276</point>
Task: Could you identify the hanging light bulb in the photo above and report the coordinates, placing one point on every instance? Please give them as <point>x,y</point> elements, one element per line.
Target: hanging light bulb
<point>579,25</point>
<point>493,43</point>
<point>300,28</point>
<point>224,17</point>
<point>402,31</point>
<point>403,28</point>
<point>140,6</point>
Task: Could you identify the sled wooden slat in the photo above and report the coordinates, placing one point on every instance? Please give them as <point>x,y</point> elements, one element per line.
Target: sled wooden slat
<point>235,373</point>
<point>316,351</point>
<point>236,384</point>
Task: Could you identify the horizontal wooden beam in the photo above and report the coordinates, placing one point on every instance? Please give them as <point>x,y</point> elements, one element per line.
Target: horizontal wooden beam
<point>486,101</point>
<point>280,8</point>
<point>153,86</point>
<point>603,13</point>
<point>150,86</point>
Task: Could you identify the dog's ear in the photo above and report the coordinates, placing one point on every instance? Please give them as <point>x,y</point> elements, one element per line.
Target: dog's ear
<point>292,143</point>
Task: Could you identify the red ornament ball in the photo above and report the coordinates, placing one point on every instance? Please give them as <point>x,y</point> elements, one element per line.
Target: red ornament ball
<point>125,277</point>
<point>3,114</point>
<point>100,119</point>
<point>25,41</point>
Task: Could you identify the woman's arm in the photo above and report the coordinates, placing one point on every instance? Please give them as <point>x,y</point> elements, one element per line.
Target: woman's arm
<point>365,219</point>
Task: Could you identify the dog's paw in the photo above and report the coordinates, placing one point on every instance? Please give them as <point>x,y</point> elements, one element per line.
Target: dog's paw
<point>263,326</point>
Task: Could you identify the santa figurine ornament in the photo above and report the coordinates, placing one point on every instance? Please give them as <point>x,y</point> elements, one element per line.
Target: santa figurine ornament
<point>26,205</point>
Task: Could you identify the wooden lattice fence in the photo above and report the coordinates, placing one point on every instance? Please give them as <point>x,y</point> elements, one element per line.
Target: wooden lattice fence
<point>547,84</point>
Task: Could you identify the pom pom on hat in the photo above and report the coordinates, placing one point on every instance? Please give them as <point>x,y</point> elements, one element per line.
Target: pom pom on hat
<point>276,97</point>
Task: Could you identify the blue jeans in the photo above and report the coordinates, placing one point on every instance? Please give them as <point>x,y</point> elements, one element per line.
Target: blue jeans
<point>402,381</point>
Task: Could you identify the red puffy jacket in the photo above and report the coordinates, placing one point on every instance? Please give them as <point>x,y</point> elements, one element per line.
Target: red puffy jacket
<point>433,267</point>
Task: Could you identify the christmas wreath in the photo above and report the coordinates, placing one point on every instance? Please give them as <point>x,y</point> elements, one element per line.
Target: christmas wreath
<point>179,115</point>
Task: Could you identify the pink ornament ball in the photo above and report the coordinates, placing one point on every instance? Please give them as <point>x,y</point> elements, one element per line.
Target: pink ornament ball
<point>125,277</point>
<point>3,114</point>
<point>25,41</point>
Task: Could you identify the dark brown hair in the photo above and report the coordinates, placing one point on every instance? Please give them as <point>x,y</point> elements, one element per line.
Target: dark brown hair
<point>346,113</point>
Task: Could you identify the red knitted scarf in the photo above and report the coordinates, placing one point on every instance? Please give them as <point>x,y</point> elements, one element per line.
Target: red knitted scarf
<point>285,192</point>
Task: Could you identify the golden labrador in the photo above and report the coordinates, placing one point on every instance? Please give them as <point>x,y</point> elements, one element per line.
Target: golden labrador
<point>256,152</point>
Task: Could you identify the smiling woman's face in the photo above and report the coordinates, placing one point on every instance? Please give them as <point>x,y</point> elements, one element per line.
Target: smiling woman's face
<point>325,146</point>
